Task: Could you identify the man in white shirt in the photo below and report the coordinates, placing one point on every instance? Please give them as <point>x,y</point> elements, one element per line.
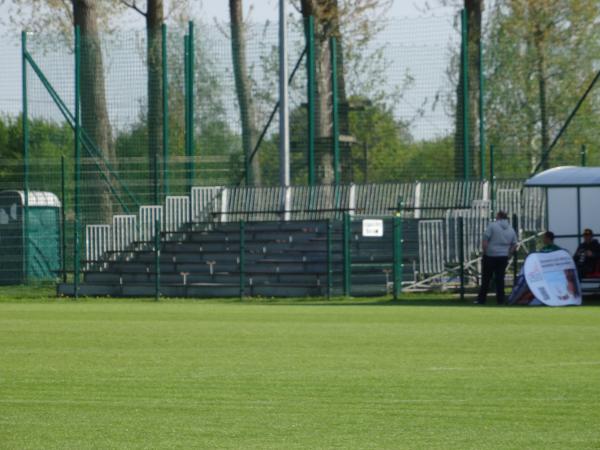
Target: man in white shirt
<point>499,243</point>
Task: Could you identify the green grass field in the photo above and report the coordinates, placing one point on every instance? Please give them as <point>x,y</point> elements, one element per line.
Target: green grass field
<point>420,373</point>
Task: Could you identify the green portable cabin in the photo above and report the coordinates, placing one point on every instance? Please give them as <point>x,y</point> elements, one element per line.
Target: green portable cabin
<point>32,254</point>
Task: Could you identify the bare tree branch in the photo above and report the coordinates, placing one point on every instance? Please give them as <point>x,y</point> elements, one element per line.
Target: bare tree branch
<point>133,5</point>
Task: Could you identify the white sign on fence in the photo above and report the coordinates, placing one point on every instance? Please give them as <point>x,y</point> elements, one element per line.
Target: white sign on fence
<point>372,228</point>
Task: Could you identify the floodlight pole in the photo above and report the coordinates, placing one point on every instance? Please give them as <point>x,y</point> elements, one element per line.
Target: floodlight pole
<point>284,125</point>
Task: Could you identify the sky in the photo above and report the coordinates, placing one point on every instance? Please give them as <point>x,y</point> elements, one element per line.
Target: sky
<point>255,10</point>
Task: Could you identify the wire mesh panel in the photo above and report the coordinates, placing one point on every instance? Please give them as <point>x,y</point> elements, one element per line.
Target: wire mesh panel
<point>124,231</point>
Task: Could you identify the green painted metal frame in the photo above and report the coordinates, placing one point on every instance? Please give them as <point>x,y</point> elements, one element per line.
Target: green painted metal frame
<point>329,258</point>
<point>492,183</point>
<point>165,109</point>
<point>88,144</point>
<point>189,95</point>
<point>347,267</point>
<point>335,132</point>
<point>310,84</point>
<point>242,258</point>
<point>481,112</point>
<point>397,270</point>
<point>77,204</point>
<point>465,99</point>
<point>583,155</point>
<point>63,234</point>
<point>461,256</point>
<point>25,157</point>
<point>157,231</point>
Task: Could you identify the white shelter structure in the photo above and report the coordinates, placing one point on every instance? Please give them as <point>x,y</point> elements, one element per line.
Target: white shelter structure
<point>572,202</point>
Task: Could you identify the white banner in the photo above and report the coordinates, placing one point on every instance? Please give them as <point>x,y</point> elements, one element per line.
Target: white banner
<point>552,278</point>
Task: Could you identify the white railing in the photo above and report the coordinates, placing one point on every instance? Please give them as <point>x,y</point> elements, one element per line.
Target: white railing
<point>177,212</point>
<point>432,246</point>
<point>124,231</point>
<point>149,215</point>
<point>97,243</point>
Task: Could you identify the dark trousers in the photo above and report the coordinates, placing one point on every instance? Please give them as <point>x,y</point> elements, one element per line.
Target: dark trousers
<point>496,266</point>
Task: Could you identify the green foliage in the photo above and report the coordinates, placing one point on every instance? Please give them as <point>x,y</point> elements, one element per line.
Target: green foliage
<point>529,42</point>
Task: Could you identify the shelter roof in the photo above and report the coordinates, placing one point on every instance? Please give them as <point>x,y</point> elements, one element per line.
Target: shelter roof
<point>566,176</point>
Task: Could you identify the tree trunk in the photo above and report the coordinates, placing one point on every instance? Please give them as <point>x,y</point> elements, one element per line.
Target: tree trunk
<point>474,9</point>
<point>94,113</point>
<point>243,89</point>
<point>154,20</point>
<point>326,20</point>
<point>541,81</point>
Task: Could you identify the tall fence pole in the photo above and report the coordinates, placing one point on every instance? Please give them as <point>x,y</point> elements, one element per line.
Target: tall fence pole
<point>329,259</point>
<point>492,183</point>
<point>284,116</point>
<point>481,113</point>
<point>63,218</point>
<point>77,206</point>
<point>465,99</point>
<point>310,83</point>
<point>157,230</point>
<point>583,155</point>
<point>398,251</point>
<point>242,259</point>
<point>346,235</point>
<point>25,125</point>
<point>165,109</point>
<point>461,256</point>
<point>515,224</point>
<point>189,91</point>
<point>335,132</point>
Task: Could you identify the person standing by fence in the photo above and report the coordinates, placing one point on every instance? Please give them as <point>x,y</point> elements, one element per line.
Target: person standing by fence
<point>499,242</point>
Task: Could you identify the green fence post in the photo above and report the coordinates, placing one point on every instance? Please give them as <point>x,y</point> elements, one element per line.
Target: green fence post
<point>156,180</point>
<point>63,236</point>
<point>492,183</point>
<point>335,132</point>
<point>25,125</point>
<point>192,63</point>
<point>242,261</point>
<point>481,113</point>
<point>165,109</point>
<point>583,155</point>
<point>157,230</point>
<point>77,205</point>
<point>397,223</point>
<point>346,254</point>
<point>515,224</point>
<point>310,82</point>
<point>329,259</point>
<point>461,256</point>
<point>465,99</point>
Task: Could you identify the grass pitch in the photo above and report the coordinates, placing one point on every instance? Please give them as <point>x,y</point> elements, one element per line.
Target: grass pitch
<point>295,375</point>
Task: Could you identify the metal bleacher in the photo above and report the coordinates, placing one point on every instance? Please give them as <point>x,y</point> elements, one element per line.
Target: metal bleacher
<point>274,241</point>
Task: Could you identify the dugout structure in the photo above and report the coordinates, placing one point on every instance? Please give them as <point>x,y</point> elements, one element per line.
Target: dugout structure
<point>571,200</point>
<point>30,237</point>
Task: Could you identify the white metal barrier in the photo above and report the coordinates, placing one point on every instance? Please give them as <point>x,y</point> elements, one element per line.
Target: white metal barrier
<point>97,243</point>
<point>177,212</point>
<point>206,201</point>
<point>432,246</point>
<point>124,231</point>
<point>148,217</point>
